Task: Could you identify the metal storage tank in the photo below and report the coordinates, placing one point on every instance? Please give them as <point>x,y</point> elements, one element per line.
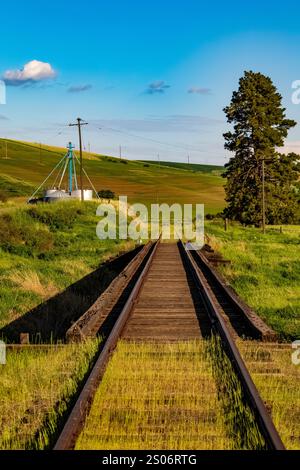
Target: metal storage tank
<point>87,194</point>
<point>52,195</point>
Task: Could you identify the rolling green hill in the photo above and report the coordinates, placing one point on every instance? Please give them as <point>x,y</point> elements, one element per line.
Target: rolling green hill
<point>26,167</point>
<point>194,167</point>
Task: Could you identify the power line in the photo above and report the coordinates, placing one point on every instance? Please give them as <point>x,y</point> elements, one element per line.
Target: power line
<point>179,146</point>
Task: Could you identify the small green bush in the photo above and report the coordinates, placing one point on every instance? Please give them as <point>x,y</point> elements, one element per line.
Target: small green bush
<point>57,216</point>
<point>106,194</point>
<point>20,236</point>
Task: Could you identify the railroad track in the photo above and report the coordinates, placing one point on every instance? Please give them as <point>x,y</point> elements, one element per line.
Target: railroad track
<point>173,301</point>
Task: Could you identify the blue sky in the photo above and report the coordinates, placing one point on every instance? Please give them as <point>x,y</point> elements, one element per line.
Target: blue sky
<point>152,77</point>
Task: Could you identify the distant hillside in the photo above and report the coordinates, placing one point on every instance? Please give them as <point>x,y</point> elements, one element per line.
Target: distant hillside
<point>26,167</point>
<point>195,167</point>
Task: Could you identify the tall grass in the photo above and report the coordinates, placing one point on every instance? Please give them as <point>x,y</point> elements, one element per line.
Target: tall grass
<point>169,396</point>
<point>36,387</point>
<point>264,270</point>
<point>277,380</point>
<point>239,419</point>
<point>44,249</point>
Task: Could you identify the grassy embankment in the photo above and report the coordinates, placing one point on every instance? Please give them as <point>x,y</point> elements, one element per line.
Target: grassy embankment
<point>264,270</point>
<point>45,248</point>
<point>36,387</point>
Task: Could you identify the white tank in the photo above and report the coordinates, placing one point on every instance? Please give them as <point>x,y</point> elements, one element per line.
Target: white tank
<point>52,195</point>
<point>87,194</point>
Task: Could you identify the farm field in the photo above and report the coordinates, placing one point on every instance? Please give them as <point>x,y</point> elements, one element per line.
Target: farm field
<point>23,171</point>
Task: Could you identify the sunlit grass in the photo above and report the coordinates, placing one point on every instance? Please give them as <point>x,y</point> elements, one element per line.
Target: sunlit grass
<point>168,396</point>
<point>44,249</point>
<point>277,380</point>
<point>36,386</point>
<point>264,270</point>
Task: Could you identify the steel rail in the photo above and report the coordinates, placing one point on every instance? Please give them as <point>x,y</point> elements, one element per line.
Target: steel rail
<point>264,420</point>
<point>255,324</point>
<point>76,419</point>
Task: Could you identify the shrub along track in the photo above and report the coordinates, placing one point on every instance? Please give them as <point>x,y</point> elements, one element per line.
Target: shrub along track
<point>176,379</point>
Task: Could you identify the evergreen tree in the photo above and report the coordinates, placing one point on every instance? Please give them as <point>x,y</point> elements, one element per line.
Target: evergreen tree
<point>259,126</point>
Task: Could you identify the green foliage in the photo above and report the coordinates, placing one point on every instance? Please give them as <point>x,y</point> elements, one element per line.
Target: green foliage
<point>260,125</point>
<point>20,236</point>
<point>106,194</point>
<point>62,216</point>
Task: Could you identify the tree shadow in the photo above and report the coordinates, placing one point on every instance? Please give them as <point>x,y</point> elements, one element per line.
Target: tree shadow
<point>50,320</point>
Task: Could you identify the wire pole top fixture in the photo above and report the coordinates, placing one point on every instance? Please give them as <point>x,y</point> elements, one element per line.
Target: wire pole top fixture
<point>80,123</point>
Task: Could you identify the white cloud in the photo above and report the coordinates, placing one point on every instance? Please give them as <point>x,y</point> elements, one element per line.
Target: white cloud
<point>32,72</point>
<point>79,88</point>
<point>199,91</point>
<point>159,86</point>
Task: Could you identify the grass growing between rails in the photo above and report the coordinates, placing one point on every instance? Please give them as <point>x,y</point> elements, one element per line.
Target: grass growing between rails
<point>277,380</point>
<point>166,396</point>
<point>264,270</point>
<point>36,386</point>
<point>44,249</point>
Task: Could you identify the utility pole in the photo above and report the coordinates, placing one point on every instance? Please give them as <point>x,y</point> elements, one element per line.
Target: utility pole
<point>263,197</point>
<point>120,152</point>
<point>188,159</point>
<point>80,123</point>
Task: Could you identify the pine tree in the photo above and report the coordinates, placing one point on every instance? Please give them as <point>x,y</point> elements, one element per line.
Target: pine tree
<point>259,126</point>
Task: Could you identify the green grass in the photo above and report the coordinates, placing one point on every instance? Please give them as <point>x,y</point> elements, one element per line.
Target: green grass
<point>13,187</point>
<point>44,249</point>
<point>124,177</point>
<point>193,167</point>
<point>264,270</point>
<point>36,387</point>
<point>277,380</point>
<point>165,396</point>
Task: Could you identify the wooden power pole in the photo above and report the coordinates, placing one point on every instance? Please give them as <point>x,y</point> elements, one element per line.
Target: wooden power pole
<point>80,123</point>
<point>263,198</point>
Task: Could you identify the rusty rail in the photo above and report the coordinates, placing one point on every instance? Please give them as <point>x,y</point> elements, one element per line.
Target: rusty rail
<point>89,323</point>
<point>75,422</point>
<point>264,420</point>
<point>258,328</point>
